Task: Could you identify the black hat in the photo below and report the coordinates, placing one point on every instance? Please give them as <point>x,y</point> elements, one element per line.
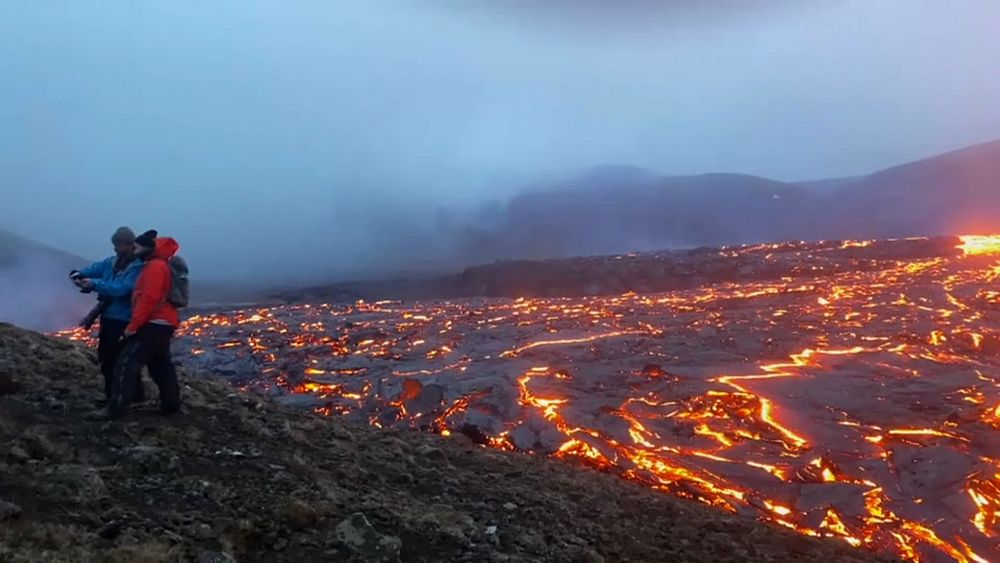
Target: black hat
<point>147,239</point>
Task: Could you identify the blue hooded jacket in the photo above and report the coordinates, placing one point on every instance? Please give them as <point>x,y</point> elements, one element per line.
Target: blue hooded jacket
<point>116,288</point>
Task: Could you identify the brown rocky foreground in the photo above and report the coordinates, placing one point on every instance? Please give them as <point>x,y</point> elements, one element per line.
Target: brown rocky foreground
<point>236,477</point>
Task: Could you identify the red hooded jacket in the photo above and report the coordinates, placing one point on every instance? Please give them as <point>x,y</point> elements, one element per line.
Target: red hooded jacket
<point>149,298</point>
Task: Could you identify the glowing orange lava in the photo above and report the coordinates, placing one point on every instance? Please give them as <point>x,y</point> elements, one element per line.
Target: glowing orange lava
<point>975,245</point>
<point>855,398</point>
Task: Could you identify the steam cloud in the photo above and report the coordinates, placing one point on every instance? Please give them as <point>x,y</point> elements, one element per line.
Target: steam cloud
<point>36,295</point>
<point>349,139</point>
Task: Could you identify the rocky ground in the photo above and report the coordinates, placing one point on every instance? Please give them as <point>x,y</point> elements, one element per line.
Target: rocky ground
<point>236,477</point>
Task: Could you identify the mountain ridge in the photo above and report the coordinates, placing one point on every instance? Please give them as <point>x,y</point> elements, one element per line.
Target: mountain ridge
<point>609,210</point>
<point>14,247</point>
<point>950,193</point>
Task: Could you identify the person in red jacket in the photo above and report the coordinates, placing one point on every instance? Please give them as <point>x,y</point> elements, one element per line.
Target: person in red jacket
<point>150,329</point>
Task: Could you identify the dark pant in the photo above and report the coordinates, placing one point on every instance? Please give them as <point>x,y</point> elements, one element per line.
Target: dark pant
<point>109,347</point>
<point>150,347</point>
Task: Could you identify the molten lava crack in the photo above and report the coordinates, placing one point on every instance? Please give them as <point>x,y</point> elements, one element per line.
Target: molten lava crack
<point>856,397</point>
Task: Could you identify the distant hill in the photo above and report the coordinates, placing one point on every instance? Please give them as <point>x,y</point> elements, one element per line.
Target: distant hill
<point>636,213</point>
<point>36,292</point>
<point>603,211</point>
<point>956,192</point>
<point>617,209</point>
<point>15,249</point>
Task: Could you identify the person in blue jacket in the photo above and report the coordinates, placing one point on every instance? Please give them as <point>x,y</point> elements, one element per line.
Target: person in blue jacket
<point>112,279</point>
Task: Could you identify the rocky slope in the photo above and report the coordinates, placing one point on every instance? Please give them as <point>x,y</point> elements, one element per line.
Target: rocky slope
<point>236,477</point>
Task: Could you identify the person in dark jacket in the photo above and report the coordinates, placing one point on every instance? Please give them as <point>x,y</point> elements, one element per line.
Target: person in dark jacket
<point>150,329</point>
<point>112,279</point>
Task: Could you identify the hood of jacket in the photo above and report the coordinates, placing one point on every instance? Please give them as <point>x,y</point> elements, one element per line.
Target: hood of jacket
<point>165,248</point>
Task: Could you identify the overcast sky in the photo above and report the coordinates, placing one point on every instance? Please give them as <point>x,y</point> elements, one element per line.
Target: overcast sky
<point>288,137</point>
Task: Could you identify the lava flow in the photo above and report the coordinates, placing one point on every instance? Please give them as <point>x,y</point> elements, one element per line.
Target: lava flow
<point>857,397</point>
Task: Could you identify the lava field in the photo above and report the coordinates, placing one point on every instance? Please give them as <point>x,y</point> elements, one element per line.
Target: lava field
<point>853,392</point>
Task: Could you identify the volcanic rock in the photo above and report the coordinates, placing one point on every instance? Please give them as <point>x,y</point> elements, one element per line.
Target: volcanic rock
<point>76,483</point>
<point>153,459</point>
<point>432,453</point>
<point>300,514</point>
<point>847,498</point>
<point>9,510</point>
<point>214,557</point>
<point>37,445</point>
<point>54,403</point>
<point>240,477</point>
<point>111,530</point>
<point>928,469</point>
<point>362,539</point>
<point>17,453</point>
<point>485,423</point>
<point>455,527</point>
<point>300,400</point>
<point>428,398</point>
<point>653,370</point>
<point>8,385</point>
<point>203,531</point>
<point>524,438</point>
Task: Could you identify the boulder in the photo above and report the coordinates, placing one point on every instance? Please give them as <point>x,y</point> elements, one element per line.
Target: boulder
<point>364,541</point>
<point>8,385</point>
<point>457,527</point>
<point>214,557</point>
<point>847,498</point>
<point>77,483</point>
<point>300,515</point>
<point>9,510</point>
<point>524,438</point>
<point>153,459</point>
<point>36,443</point>
<point>301,400</point>
<point>428,398</point>
<point>111,530</point>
